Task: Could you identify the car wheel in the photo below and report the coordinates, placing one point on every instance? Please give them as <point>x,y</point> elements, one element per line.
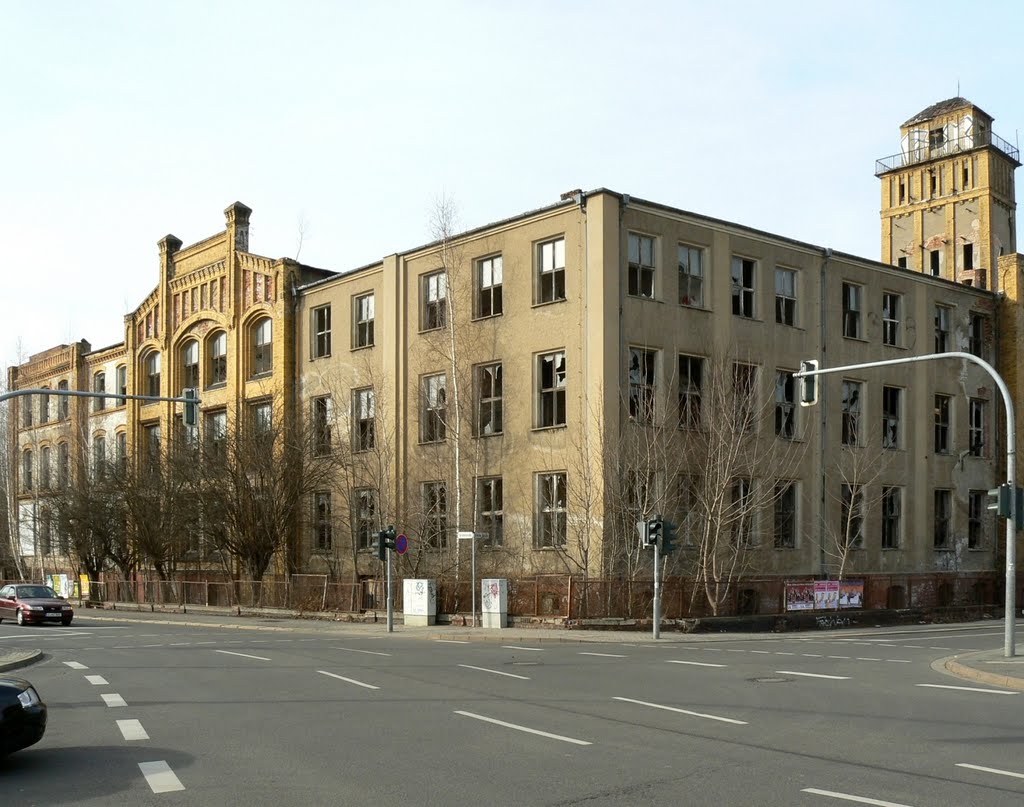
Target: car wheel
<point>66,621</point>
<point>20,617</point>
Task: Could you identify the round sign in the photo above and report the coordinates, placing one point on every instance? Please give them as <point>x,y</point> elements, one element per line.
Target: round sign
<point>401,544</point>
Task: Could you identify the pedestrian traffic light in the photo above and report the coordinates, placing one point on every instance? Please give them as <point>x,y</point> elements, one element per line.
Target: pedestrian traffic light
<point>1000,500</point>
<point>654,531</point>
<point>385,541</point>
<point>191,414</point>
<point>808,383</point>
<point>668,537</point>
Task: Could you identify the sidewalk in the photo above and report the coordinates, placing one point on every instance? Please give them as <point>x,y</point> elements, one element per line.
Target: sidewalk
<point>986,667</point>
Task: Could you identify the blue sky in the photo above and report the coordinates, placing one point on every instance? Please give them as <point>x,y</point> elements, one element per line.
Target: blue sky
<point>125,121</point>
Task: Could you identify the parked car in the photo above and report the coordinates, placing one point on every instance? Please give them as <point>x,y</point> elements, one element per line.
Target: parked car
<point>22,715</point>
<point>26,603</point>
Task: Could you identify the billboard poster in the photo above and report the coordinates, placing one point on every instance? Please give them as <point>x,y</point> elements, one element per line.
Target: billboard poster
<point>826,595</point>
<point>799,596</point>
<point>851,594</point>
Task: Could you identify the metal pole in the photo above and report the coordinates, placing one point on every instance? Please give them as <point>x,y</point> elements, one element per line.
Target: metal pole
<point>1010,605</point>
<point>391,599</point>
<point>657,591</point>
<point>473,556</point>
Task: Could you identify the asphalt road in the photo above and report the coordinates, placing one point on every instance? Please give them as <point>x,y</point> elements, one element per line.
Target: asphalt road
<point>147,713</point>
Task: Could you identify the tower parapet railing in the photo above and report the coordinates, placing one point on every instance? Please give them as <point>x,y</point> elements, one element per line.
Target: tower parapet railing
<point>932,151</point>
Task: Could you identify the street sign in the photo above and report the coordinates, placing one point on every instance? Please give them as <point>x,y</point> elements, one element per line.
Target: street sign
<point>401,544</point>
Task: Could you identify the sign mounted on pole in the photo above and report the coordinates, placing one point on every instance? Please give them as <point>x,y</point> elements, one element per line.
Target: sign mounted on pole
<point>401,544</point>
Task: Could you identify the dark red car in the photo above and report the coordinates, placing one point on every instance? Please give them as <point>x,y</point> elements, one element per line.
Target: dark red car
<point>28,603</point>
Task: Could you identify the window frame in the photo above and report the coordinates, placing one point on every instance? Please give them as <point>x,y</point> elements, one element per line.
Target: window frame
<point>892,517</point>
<point>851,407</point>
<point>942,518</point>
<point>152,363</point>
<point>892,417</point>
<point>217,361</point>
<point>489,279</point>
<point>99,385</point>
<point>190,375</point>
<point>550,512</point>
<point>364,314</point>
<point>323,522</point>
<point>642,383</point>
<point>261,342</point>
<point>891,319</point>
<point>976,334</point>
<point>434,495</point>
<point>853,308</point>
<point>943,410</point>
<point>490,394</point>
<point>976,506</point>
<point>320,329</point>
<point>364,419</point>
<point>943,316</point>
<point>785,304</point>
<point>365,510</point>
<point>434,408</point>
<point>785,404</point>
<point>549,275</point>
<point>641,276</point>
<point>690,395</point>
<point>977,422</point>
<point>551,399</point>
<point>322,414</point>
<point>434,300</point>
<point>785,519</point>
<point>688,279</point>
<point>743,276</point>
<point>490,514</point>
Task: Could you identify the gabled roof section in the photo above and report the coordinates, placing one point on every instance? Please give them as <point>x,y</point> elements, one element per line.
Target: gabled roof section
<point>941,108</point>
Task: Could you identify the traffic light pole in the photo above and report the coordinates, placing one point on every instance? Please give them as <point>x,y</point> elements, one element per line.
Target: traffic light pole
<point>1010,622</point>
<point>391,600</point>
<point>657,591</point>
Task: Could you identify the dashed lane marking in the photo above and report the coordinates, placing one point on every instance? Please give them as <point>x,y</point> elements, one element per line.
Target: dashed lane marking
<point>522,647</point>
<point>983,769</point>
<point>495,672</point>
<point>160,777</point>
<point>132,730</point>
<point>451,641</point>
<point>368,652</point>
<point>75,665</point>
<point>813,675</point>
<point>604,655</point>
<point>694,663</point>
<point>850,797</point>
<point>96,680</point>
<point>683,711</point>
<point>526,729</point>
<point>969,689</point>
<point>348,680</point>
<point>113,699</point>
<point>243,655</point>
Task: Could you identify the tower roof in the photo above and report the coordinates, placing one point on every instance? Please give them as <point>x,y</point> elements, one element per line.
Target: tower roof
<point>941,108</point>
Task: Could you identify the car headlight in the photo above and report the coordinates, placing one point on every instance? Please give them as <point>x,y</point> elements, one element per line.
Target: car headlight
<point>65,608</point>
<point>28,698</point>
<point>34,608</point>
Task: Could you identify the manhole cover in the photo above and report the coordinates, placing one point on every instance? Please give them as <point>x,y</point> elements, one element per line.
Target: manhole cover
<point>769,680</point>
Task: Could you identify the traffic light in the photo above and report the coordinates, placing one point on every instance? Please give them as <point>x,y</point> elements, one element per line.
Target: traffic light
<point>385,541</point>
<point>652,537</point>
<point>809,383</point>
<point>191,414</point>
<point>1001,500</point>
<point>668,537</point>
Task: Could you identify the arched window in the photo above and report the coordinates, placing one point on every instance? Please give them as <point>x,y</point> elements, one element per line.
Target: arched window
<point>190,364</point>
<point>153,373</point>
<point>44,408</point>
<point>262,347</point>
<point>26,469</point>
<point>122,382</point>
<point>217,350</point>
<point>63,401</point>
<point>99,456</point>
<point>63,465</point>
<point>44,468</point>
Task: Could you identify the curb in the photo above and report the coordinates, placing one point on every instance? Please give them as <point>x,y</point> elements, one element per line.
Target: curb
<point>953,666</point>
<point>29,657</point>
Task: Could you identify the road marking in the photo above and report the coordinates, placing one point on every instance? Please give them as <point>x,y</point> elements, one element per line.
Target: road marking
<point>899,660</point>
<point>780,653</point>
<point>522,647</point>
<point>206,643</point>
<point>695,663</point>
<point>940,648</point>
<point>150,645</point>
<point>842,657</point>
<point>113,699</point>
<point>865,658</point>
<point>990,770</point>
<point>347,680</point>
<point>160,777</point>
<point>735,650</point>
<point>523,728</point>
<point>75,665</point>
<point>968,689</point>
<point>96,680</point>
<point>683,711</point>
<point>243,655</point>
<point>368,652</point>
<point>496,672</point>
<point>451,641</point>
<point>761,652</point>
<point>812,655</point>
<point>813,675</point>
<point>132,730</point>
<point>604,655</point>
<point>849,797</point>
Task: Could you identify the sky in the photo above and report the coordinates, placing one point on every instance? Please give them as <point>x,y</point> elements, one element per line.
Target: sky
<point>341,124</point>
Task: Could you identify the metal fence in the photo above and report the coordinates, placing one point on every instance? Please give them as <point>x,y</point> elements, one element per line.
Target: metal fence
<point>542,597</point>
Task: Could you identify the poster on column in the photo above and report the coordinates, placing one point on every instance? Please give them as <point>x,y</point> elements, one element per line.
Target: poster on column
<point>826,595</point>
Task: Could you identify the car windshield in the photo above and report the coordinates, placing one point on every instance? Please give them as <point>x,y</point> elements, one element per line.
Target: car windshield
<point>35,591</point>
